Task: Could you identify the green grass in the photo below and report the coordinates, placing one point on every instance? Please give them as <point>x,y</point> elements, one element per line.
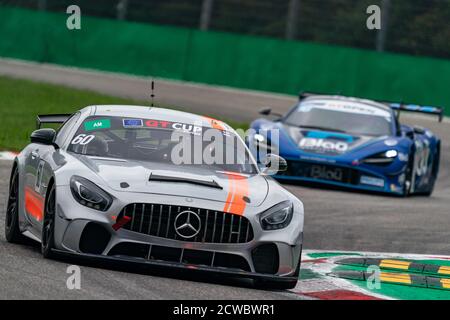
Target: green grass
<point>22,100</point>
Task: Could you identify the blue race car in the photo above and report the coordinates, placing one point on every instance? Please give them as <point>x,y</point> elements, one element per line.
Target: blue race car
<point>351,142</point>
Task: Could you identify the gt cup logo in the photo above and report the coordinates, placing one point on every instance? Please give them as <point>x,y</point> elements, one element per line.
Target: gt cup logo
<point>187,224</point>
<point>324,145</point>
<point>188,128</point>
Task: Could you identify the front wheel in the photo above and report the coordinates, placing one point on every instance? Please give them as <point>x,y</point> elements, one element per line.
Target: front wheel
<point>12,231</point>
<point>434,174</point>
<point>48,226</point>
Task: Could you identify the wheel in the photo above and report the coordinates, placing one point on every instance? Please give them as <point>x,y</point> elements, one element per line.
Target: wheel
<point>12,231</point>
<point>48,226</point>
<point>434,173</point>
<point>280,285</point>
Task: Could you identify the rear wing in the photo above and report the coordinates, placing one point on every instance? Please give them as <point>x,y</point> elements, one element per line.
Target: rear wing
<point>439,111</point>
<point>51,118</point>
<point>399,107</point>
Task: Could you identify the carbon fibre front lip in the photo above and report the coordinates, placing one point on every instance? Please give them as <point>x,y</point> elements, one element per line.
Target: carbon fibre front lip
<point>174,266</point>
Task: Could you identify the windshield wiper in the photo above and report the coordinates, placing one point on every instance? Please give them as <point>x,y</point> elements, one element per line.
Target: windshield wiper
<point>323,128</point>
<point>206,183</point>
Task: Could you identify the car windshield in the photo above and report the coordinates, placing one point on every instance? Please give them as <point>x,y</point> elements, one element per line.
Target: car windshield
<point>342,116</point>
<point>161,141</point>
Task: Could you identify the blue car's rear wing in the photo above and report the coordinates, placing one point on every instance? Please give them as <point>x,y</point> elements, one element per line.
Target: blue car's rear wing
<point>51,119</point>
<point>416,108</point>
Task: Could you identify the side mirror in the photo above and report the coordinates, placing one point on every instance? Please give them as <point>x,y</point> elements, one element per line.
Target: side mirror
<point>268,112</point>
<point>44,136</point>
<point>265,111</point>
<point>419,130</point>
<point>273,164</point>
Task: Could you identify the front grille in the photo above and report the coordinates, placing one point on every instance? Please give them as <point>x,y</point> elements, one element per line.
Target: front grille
<point>322,172</point>
<point>158,220</point>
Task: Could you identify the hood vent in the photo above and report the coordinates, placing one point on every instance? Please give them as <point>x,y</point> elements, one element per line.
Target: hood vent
<point>206,183</point>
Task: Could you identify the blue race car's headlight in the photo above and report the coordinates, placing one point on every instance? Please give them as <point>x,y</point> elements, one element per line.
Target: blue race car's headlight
<point>90,195</point>
<point>277,217</point>
<point>391,154</point>
<point>382,158</point>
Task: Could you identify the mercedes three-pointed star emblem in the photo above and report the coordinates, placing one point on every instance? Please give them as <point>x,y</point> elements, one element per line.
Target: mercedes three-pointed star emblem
<point>187,224</point>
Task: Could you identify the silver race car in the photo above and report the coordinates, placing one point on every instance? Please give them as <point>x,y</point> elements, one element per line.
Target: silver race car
<point>109,184</point>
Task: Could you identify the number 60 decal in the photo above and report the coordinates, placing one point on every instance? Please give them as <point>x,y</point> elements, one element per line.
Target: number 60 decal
<point>83,139</point>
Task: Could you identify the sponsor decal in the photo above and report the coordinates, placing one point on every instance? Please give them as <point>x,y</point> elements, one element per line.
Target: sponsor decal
<point>324,173</point>
<point>178,126</point>
<point>83,139</point>
<point>345,106</point>
<point>133,123</point>
<point>323,145</point>
<point>377,182</point>
<point>157,124</point>
<point>329,135</point>
<point>422,157</point>
<point>97,124</point>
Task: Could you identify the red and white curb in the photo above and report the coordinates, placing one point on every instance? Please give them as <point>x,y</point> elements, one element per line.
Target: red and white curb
<point>326,287</point>
<point>320,285</point>
<point>7,155</point>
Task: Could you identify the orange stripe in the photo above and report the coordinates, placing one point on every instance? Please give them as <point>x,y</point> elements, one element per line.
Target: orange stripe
<point>229,200</point>
<point>238,190</point>
<point>34,204</point>
<point>216,124</point>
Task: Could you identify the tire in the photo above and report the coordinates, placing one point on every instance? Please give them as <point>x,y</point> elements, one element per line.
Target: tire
<point>281,284</point>
<point>434,172</point>
<point>12,230</point>
<point>48,225</point>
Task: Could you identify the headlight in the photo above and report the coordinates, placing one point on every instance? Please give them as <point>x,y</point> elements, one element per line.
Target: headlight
<point>391,154</point>
<point>277,217</point>
<point>382,157</point>
<point>90,195</point>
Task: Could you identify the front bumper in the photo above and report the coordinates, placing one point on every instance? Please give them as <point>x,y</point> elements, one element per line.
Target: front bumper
<point>352,177</point>
<point>85,232</point>
<point>173,265</point>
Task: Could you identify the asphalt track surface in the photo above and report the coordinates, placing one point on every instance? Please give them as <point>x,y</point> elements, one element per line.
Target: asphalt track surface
<point>334,219</point>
